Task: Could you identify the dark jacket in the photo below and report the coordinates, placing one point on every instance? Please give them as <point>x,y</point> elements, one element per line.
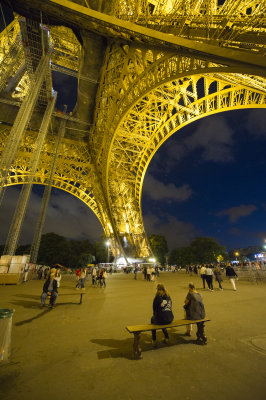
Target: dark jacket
<point>47,283</point>
<point>195,307</point>
<point>162,309</point>
<point>230,271</point>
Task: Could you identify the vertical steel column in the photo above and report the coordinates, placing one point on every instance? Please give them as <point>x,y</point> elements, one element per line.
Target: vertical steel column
<point>8,65</point>
<point>15,228</point>
<point>46,197</point>
<point>22,120</point>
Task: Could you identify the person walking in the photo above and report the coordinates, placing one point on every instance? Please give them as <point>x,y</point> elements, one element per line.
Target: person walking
<point>148,274</point>
<point>135,272</point>
<point>58,276</point>
<point>104,276</point>
<point>194,309</point>
<point>50,290</point>
<point>209,277</point>
<point>162,312</point>
<point>218,276</point>
<point>202,275</point>
<point>232,275</point>
<point>93,276</point>
<point>81,281</point>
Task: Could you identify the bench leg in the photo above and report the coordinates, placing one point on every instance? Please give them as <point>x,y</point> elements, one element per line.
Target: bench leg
<point>80,301</point>
<point>136,347</point>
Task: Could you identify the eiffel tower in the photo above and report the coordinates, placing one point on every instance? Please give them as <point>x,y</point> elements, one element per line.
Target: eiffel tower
<point>145,69</point>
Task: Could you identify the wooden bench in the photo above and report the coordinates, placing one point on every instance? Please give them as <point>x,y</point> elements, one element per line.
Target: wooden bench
<point>137,329</point>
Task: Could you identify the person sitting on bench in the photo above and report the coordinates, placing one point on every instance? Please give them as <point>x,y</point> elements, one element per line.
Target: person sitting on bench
<point>162,312</point>
<point>194,309</point>
<point>50,290</point>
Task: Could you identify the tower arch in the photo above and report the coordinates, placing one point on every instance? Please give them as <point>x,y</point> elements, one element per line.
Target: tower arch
<point>152,120</point>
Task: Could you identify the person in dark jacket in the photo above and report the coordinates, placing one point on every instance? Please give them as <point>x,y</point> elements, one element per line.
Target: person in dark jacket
<point>218,276</point>
<point>162,312</point>
<point>50,290</point>
<point>232,275</point>
<point>194,309</point>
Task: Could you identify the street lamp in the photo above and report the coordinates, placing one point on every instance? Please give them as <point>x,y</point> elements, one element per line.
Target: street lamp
<point>108,250</point>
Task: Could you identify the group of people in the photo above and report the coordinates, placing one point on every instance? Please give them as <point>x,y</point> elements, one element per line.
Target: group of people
<point>98,277</point>
<point>207,272</point>
<point>163,314</point>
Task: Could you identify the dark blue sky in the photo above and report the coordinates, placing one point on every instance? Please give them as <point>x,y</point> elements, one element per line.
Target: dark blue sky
<point>218,165</point>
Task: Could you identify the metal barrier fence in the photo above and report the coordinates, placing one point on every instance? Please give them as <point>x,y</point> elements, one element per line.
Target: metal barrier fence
<point>251,274</point>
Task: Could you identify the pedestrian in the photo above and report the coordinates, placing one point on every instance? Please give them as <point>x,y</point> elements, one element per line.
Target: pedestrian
<point>93,276</point>
<point>40,273</point>
<point>218,276</point>
<point>202,275</point>
<point>50,290</point>
<point>58,276</point>
<point>135,272</point>
<point>145,272</point>
<point>152,275</point>
<point>232,275</point>
<point>104,276</point>
<point>209,277</point>
<point>81,281</point>
<point>194,309</point>
<point>77,274</point>
<point>162,312</point>
<point>99,277</point>
<point>148,274</point>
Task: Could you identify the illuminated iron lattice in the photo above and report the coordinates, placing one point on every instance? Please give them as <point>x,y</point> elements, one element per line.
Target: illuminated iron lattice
<point>190,60</point>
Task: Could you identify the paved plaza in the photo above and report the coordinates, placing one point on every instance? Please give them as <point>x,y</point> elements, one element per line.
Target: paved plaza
<point>84,351</point>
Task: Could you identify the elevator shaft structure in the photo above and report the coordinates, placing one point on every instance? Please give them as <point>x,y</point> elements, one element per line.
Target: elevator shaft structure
<point>15,228</point>
<point>46,197</point>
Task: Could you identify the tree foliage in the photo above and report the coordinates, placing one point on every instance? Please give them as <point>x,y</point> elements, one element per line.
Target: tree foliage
<point>159,247</point>
<point>202,250</point>
<point>56,249</point>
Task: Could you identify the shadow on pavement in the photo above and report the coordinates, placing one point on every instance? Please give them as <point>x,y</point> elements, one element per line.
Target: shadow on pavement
<point>124,348</point>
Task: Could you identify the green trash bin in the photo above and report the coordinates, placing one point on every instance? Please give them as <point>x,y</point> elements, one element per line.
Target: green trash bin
<point>5,333</point>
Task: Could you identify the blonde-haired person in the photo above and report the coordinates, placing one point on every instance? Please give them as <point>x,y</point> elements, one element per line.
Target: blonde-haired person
<point>58,276</point>
<point>162,312</point>
<point>50,290</point>
<point>194,309</point>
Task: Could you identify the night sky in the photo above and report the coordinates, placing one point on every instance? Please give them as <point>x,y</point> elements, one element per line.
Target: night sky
<point>208,179</point>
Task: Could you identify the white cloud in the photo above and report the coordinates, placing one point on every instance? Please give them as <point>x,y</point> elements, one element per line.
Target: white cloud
<point>234,213</point>
<point>157,190</point>
<point>177,233</point>
<point>212,139</point>
<point>66,216</point>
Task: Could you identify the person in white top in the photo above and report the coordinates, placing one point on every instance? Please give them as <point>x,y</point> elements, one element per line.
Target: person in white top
<point>209,277</point>
<point>203,275</point>
<point>58,276</point>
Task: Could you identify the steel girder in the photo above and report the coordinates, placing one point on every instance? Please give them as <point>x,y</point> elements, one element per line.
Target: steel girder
<point>165,66</point>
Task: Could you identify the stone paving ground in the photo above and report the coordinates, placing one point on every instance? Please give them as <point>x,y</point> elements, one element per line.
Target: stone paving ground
<point>84,351</point>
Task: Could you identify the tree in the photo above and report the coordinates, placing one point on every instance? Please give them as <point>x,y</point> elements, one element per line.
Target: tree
<point>206,250</point>
<point>101,250</point>
<point>181,256</point>
<point>159,247</point>
<point>54,249</point>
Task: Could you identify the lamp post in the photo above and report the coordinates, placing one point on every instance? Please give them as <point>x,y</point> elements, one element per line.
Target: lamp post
<point>108,250</point>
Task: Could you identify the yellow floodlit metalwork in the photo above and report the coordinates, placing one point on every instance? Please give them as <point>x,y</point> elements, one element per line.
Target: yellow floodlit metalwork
<point>165,64</point>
